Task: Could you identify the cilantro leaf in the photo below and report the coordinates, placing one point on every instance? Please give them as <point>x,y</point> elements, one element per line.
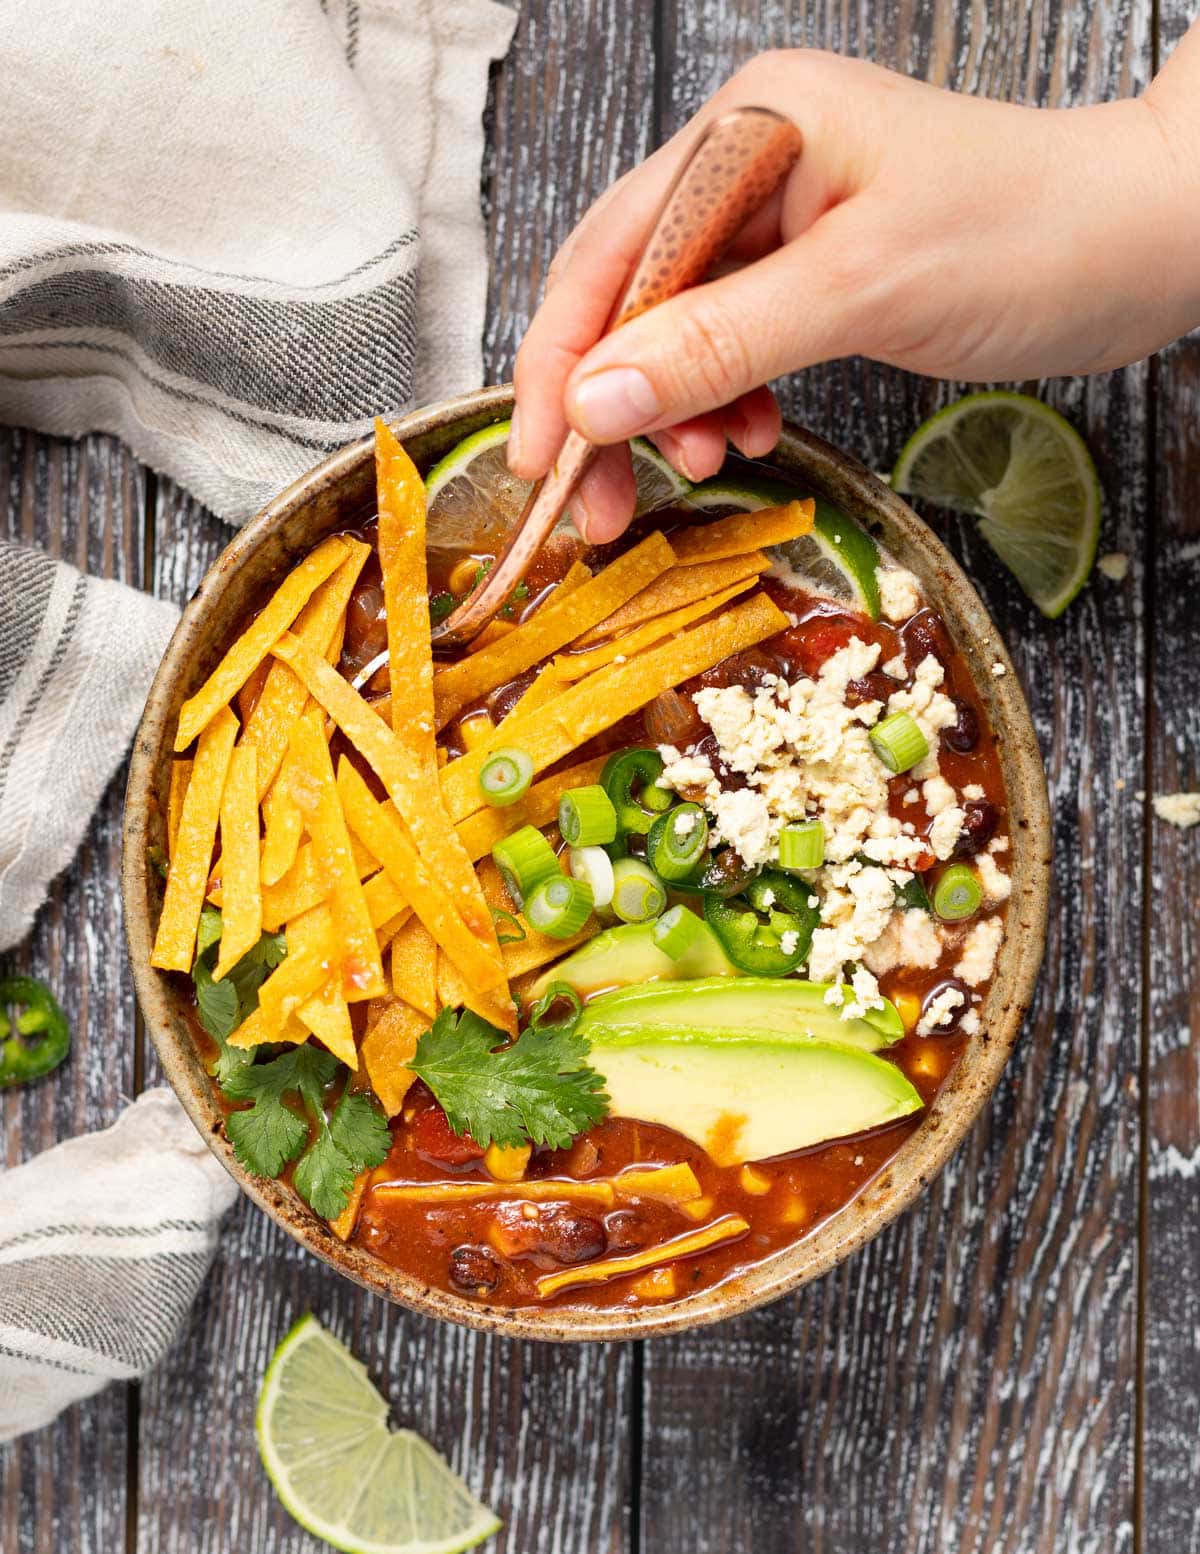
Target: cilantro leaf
<point>540,1089</point>
<point>360,1130</point>
<point>217,1003</point>
<point>270,1133</point>
<point>324,1177</point>
<point>439,607</point>
<point>222,1006</point>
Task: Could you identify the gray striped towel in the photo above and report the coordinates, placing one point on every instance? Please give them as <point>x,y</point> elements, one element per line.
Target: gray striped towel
<point>103,1243</point>
<point>229,235</point>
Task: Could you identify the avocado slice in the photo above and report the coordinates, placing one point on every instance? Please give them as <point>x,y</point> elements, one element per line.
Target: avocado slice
<point>751,1099</point>
<point>628,954</point>
<point>778,1008</point>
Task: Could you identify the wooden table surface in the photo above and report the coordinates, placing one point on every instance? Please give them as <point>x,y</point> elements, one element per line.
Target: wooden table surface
<point>1013,1367</point>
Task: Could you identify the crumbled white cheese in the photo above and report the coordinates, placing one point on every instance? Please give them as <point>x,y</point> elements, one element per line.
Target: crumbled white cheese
<point>686,772</point>
<point>899,593</point>
<point>945,832</point>
<point>969,1023</point>
<point>974,791</point>
<point>1114,564</point>
<point>743,820</point>
<point>998,669</point>
<point>996,884</point>
<point>998,844</point>
<point>911,938</point>
<point>896,668</point>
<point>932,710</point>
<point>685,822</point>
<point>940,1010</point>
<point>866,995</point>
<point>788,940</point>
<point>938,794</point>
<point>979,951</point>
<point>858,903</point>
<point>912,795</point>
<point>1178,809</point>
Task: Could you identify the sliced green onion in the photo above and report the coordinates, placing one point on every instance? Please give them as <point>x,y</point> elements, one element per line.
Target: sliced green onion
<point>630,778</point>
<point>559,907</point>
<point>802,846</point>
<point>505,776</point>
<point>524,859</point>
<point>508,928</point>
<point>677,841</point>
<point>957,894</point>
<point>899,742</point>
<point>586,817</point>
<point>676,931</point>
<point>594,867</point>
<point>638,893</point>
<point>557,993</point>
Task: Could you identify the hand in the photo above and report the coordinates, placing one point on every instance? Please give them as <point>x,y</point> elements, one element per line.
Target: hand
<point>949,235</point>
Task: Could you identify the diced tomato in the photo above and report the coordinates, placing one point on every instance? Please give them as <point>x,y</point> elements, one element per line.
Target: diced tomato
<point>820,635</point>
<point>432,1137</point>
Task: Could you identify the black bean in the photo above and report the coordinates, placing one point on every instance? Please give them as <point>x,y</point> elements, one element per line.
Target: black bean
<point>474,1270</point>
<point>569,1237</point>
<point>627,1231</point>
<point>750,669</point>
<point>963,734</point>
<point>926,635</point>
<point>979,826</point>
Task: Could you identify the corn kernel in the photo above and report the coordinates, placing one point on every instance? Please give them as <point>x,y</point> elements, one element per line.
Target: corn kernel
<point>795,1212</point>
<point>463,574</point>
<point>929,1061</point>
<point>754,1182</point>
<point>659,1284</point>
<point>507,1164</point>
<point>475,729</point>
<point>908,1006</point>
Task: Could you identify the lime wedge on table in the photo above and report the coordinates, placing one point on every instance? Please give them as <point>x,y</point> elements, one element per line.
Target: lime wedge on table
<point>837,559</point>
<point>324,1440</point>
<point>1026,474</point>
<point>473,483</point>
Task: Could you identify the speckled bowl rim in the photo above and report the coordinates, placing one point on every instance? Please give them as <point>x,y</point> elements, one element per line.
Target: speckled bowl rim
<point>297,520</point>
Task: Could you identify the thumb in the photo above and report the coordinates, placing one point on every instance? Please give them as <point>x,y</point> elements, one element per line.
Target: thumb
<point>702,349</point>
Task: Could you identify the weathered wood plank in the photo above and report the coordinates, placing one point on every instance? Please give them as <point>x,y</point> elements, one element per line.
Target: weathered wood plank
<point>1171,1309</point>
<point>968,1381</point>
<point>85,502</point>
<point>541,1433</point>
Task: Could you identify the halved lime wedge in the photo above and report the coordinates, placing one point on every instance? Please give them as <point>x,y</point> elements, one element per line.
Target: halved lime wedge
<point>837,559</point>
<point>1026,474</point>
<point>324,1440</point>
<point>471,492</point>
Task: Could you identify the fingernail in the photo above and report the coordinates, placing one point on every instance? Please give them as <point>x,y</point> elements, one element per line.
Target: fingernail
<point>673,451</point>
<point>615,403</point>
<point>513,451</point>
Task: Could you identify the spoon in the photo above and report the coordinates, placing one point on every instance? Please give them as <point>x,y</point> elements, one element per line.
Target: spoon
<point>739,160</point>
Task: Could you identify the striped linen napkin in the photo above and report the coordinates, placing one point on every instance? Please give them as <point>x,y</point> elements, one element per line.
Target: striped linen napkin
<point>229,235</point>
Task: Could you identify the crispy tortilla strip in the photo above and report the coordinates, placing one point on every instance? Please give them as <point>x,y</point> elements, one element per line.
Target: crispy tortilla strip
<point>401,498</point>
<point>388,930</point>
<point>255,1030</point>
<point>241,895</point>
<point>744,531</point>
<point>594,704</point>
<point>327,1016</point>
<point>181,773</point>
<point>550,627</point>
<point>282,830</point>
<point>674,589</point>
<point>389,1047</point>
<point>343,1225</point>
<point>417,802</point>
<point>385,900</point>
<point>187,879</point>
<point>244,657</point>
<point>498,628</point>
<point>414,967</point>
<point>725,1229</point>
<point>315,792</point>
<point>311,952</point>
<point>538,807</point>
<point>381,830</point>
<point>573,666</point>
<point>662,1184</point>
<point>303,887</point>
<point>320,624</point>
<point>527,954</point>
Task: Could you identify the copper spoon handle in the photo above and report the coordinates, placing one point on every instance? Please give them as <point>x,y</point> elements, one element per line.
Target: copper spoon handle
<point>735,165</point>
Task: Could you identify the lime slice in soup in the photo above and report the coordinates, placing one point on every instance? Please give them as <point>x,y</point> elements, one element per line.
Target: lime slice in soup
<point>1026,474</point>
<point>471,493</point>
<point>324,1440</point>
<point>837,559</point>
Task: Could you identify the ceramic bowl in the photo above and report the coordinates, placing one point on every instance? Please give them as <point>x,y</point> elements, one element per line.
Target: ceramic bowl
<point>338,493</point>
